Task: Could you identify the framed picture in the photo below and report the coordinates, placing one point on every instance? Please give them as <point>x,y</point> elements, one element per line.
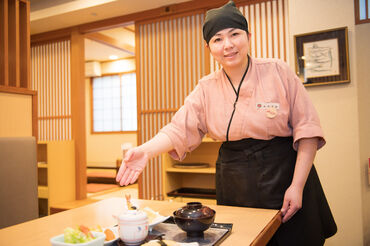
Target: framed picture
<point>322,57</point>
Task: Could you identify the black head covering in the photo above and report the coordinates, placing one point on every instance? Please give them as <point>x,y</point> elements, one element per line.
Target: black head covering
<point>227,16</point>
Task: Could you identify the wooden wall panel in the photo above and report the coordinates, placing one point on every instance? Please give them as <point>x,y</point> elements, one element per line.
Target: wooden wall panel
<point>51,78</point>
<point>267,23</point>
<point>15,43</point>
<point>171,61</point>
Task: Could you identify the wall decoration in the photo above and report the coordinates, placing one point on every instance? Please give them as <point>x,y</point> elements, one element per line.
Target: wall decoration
<point>322,57</point>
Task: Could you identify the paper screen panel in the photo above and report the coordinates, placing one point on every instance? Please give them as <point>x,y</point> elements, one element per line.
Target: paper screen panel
<point>268,25</point>
<point>171,61</point>
<point>51,78</point>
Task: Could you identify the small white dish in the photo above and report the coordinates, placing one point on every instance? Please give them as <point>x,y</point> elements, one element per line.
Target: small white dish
<point>98,241</point>
<point>157,221</point>
<point>116,236</point>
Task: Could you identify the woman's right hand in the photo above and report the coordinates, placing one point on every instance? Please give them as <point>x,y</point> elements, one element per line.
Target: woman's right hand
<point>133,164</point>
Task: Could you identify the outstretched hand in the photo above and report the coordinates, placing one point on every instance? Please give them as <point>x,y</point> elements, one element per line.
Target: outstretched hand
<point>133,164</point>
<point>292,202</point>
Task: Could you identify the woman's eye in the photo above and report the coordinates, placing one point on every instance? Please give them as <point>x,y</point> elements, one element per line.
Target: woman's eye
<point>217,40</point>
<point>235,34</point>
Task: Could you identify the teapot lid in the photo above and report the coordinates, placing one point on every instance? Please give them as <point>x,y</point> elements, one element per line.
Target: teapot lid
<point>194,210</point>
<point>132,215</point>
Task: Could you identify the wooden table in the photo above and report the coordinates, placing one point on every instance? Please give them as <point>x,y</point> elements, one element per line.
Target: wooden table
<point>250,226</point>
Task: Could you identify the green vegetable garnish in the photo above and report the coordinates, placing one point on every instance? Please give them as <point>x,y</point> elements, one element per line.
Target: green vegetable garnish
<point>75,236</point>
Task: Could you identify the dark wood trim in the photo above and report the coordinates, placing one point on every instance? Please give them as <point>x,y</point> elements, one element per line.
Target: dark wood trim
<point>25,47</point>
<point>138,103</point>
<point>4,45</point>
<point>35,128</point>
<point>16,90</point>
<point>91,106</point>
<point>357,13</point>
<point>78,111</point>
<point>13,45</point>
<point>52,36</point>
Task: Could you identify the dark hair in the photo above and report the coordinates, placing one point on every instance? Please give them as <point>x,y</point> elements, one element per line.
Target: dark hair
<point>227,16</point>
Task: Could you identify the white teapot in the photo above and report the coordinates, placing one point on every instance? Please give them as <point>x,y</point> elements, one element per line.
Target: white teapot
<point>133,226</point>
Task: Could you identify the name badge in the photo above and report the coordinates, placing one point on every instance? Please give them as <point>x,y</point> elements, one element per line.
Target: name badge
<point>271,109</point>
<point>267,105</point>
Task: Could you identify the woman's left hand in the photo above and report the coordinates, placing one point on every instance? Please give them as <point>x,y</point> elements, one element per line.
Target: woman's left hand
<point>292,202</point>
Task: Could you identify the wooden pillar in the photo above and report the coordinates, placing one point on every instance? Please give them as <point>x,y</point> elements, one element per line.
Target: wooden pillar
<point>4,73</point>
<point>78,110</point>
<point>13,43</point>
<point>25,44</point>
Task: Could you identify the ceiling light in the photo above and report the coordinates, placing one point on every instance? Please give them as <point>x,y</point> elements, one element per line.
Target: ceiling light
<point>113,57</point>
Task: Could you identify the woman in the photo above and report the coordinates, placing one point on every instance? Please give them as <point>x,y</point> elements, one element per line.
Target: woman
<point>270,135</point>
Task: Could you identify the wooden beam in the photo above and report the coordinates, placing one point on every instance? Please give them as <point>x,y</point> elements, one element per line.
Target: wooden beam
<point>4,73</point>
<point>25,45</point>
<point>129,29</point>
<point>78,111</point>
<point>104,39</point>
<point>13,42</point>
<point>60,34</point>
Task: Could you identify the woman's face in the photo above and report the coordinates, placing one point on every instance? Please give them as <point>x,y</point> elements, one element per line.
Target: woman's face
<point>230,47</point>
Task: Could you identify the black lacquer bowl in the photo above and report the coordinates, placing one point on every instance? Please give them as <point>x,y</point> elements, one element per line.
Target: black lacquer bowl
<point>194,218</point>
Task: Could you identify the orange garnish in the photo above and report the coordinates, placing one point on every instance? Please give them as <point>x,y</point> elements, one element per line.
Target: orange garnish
<point>109,235</point>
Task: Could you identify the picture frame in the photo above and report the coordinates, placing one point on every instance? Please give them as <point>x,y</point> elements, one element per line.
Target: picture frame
<point>322,57</point>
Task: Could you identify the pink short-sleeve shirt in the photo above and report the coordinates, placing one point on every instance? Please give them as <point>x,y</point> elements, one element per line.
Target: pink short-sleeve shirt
<point>272,102</point>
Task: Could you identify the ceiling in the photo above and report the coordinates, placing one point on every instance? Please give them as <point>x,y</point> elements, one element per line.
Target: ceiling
<point>48,15</point>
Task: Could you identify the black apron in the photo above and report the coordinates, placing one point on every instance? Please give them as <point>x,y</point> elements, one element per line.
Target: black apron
<point>256,173</point>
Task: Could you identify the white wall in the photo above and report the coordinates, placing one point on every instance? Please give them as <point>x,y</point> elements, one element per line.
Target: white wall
<point>338,163</point>
<point>362,35</point>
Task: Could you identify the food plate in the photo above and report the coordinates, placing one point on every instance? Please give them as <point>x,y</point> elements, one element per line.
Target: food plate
<point>154,217</point>
<point>116,234</point>
<point>158,220</point>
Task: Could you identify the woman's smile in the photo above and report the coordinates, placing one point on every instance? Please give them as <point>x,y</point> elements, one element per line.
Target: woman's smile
<point>229,47</point>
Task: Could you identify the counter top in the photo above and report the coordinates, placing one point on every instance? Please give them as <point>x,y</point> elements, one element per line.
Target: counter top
<point>250,226</point>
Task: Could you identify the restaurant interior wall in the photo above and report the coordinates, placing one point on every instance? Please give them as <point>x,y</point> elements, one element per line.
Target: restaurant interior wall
<point>362,34</point>
<point>109,145</point>
<point>339,163</point>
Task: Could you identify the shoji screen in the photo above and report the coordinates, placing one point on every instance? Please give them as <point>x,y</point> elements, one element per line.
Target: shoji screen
<point>50,77</point>
<point>268,24</point>
<point>171,60</point>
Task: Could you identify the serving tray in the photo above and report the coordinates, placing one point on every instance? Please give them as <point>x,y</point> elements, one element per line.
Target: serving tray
<point>193,192</point>
<point>191,165</point>
<point>214,236</point>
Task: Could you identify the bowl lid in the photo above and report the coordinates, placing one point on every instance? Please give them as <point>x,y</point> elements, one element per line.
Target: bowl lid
<point>194,210</point>
<point>132,215</point>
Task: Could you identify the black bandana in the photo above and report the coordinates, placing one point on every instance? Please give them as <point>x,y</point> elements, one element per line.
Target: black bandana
<point>227,16</point>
